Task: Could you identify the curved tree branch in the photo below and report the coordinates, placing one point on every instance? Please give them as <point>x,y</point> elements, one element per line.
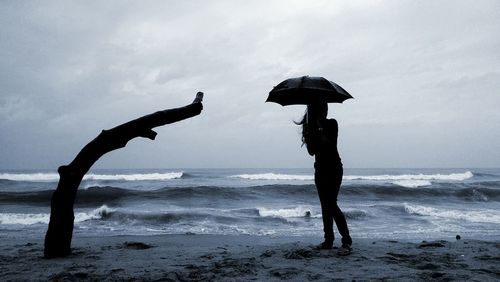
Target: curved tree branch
<point>60,229</point>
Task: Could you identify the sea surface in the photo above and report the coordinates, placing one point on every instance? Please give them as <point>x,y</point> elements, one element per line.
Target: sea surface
<point>378,203</point>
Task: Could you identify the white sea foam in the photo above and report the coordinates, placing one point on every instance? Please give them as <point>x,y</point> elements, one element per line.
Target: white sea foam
<point>481,216</point>
<point>273,176</point>
<point>30,176</point>
<point>35,218</point>
<point>43,177</point>
<point>412,183</point>
<point>407,180</point>
<point>24,218</point>
<point>428,177</point>
<point>135,177</point>
<point>300,211</point>
<point>98,213</point>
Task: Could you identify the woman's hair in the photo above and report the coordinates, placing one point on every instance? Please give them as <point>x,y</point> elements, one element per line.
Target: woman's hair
<point>310,131</point>
<point>303,123</point>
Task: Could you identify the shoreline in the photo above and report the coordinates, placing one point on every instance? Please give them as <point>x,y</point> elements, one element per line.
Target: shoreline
<point>246,257</point>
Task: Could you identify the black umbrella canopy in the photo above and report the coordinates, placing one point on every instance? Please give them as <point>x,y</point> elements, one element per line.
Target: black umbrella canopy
<point>307,90</point>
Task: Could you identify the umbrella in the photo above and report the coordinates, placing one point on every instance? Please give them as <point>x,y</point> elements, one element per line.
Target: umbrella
<point>307,90</point>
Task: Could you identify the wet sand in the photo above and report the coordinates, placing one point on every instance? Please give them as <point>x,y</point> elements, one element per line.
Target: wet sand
<point>242,258</point>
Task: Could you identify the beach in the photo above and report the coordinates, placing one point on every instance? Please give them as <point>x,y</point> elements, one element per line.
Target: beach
<point>192,257</point>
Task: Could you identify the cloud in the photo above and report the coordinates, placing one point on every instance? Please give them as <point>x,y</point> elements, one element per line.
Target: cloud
<point>70,69</point>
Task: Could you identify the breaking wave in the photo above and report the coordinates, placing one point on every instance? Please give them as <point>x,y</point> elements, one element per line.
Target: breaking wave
<point>50,177</point>
<point>412,183</point>
<point>32,177</point>
<point>43,218</point>
<point>102,195</point>
<point>405,180</point>
<point>273,176</point>
<point>482,216</point>
<point>287,212</point>
<point>404,177</point>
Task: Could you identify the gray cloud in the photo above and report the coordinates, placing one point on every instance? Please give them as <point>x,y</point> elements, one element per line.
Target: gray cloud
<point>424,74</point>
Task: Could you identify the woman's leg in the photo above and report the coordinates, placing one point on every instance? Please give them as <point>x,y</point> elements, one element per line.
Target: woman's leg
<point>337,214</point>
<point>325,195</point>
<point>341,223</point>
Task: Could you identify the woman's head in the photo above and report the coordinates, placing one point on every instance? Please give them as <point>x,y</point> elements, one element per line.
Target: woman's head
<point>317,111</point>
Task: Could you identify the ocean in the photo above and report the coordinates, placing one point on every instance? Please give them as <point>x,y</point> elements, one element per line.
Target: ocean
<point>414,204</point>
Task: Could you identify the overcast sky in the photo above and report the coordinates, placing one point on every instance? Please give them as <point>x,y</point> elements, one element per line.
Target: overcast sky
<point>425,76</point>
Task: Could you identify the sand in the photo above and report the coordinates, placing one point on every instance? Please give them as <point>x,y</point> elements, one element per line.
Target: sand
<point>242,258</point>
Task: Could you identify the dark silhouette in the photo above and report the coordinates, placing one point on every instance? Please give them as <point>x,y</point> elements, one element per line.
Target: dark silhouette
<point>307,90</point>
<point>319,134</point>
<point>60,229</point>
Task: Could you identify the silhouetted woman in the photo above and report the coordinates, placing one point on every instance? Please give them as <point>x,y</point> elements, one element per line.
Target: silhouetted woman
<point>319,134</point>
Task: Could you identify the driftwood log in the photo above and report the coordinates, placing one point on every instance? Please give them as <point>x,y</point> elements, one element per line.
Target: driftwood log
<point>60,229</point>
